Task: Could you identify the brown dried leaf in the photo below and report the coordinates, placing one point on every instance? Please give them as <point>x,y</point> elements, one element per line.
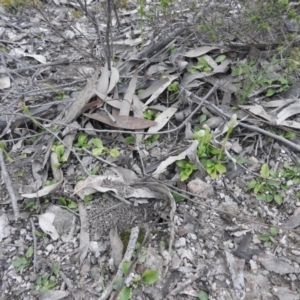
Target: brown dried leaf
<point>124,122</point>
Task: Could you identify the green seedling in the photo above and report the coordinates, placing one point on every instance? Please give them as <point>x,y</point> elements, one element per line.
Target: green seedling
<point>60,95</point>
<point>203,66</point>
<point>88,199</point>
<point>5,153</point>
<point>210,157</point>
<point>43,283</point>
<point>151,139</point>
<point>203,295</point>
<point>21,263</point>
<point>202,118</point>
<point>20,173</point>
<point>40,234</point>
<point>67,202</point>
<point>130,139</point>
<point>50,182</point>
<point>265,187</point>
<point>268,239</point>
<point>231,124</point>
<point>147,278</point>
<point>150,115</point>
<point>100,149</point>
<point>28,114</point>
<point>220,58</point>
<point>186,169</point>
<point>252,78</point>
<point>82,141</point>
<point>173,87</point>
<point>178,197</point>
<point>94,171</point>
<point>59,151</point>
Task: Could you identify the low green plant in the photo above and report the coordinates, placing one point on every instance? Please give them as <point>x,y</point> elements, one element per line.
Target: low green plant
<point>82,141</point>
<point>2,147</point>
<point>210,157</point>
<point>151,139</point>
<point>148,277</point>
<point>186,169</point>
<point>21,263</point>
<point>268,239</point>
<point>202,66</point>
<point>203,295</point>
<point>32,204</point>
<point>266,188</point>
<point>59,150</point>
<point>88,199</point>
<point>150,115</point>
<point>252,78</point>
<point>15,6</point>
<point>173,87</point>
<point>44,283</point>
<point>67,202</point>
<point>100,149</point>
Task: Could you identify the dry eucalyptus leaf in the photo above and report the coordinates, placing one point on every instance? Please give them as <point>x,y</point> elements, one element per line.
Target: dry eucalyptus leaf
<point>124,122</point>
<point>46,223</point>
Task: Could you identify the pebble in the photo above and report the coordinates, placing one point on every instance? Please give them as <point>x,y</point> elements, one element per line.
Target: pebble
<point>23,231</point>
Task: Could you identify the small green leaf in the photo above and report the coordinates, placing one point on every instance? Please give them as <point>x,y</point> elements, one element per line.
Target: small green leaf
<point>199,134</point>
<point>29,252</point>
<point>55,268</point>
<point>220,58</point>
<point>130,139</point>
<point>87,199</point>
<point>265,171</point>
<point>251,185</point>
<point>178,197</point>
<point>220,168</point>
<point>264,237</point>
<point>270,92</point>
<point>20,261</point>
<point>117,283</point>
<point>97,142</point>
<point>59,150</point>
<point>125,293</point>
<point>183,175</point>
<point>261,197</point>
<point>289,135</point>
<point>48,286</point>
<point>62,201</point>
<point>72,204</point>
<point>125,266</point>
<point>278,199</point>
<point>202,118</point>
<point>203,295</point>
<point>97,151</point>
<point>181,163</point>
<point>150,276</point>
<point>274,231</point>
<point>114,153</point>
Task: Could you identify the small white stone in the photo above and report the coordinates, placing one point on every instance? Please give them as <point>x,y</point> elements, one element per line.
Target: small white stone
<point>296,252</point>
<point>293,277</point>
<point>192,236</point>
<point>23,231</point>
<point>49,248</point>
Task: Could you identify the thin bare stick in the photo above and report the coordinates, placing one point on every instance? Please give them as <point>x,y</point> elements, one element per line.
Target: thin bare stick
<point>34,246</point>
<point>9,187</point>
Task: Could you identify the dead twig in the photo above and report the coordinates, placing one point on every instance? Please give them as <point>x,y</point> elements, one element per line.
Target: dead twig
<point>34,246</point>
<point>9,187</point>
<point>127,257</point>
